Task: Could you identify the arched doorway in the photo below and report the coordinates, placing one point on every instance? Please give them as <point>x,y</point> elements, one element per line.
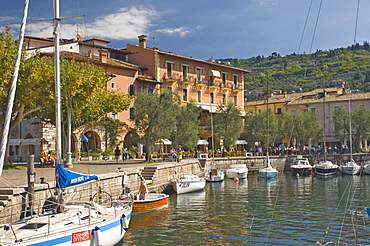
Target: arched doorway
<point>93,144</point>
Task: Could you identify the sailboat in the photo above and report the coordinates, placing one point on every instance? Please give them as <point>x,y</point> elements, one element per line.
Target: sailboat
<point>268,171</point>
<point>101,221</point>
<point>325,167</point>
<point>350,167</point>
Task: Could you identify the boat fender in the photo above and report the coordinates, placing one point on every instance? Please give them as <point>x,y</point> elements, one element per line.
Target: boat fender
<point>97,236</point>
<point>124,222</point>
<point>236,179</point>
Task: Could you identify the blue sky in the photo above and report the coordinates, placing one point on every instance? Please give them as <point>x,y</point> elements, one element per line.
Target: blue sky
<point>203,28</point>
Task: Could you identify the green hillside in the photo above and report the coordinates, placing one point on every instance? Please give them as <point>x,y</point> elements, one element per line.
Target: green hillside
<point>308,71</point>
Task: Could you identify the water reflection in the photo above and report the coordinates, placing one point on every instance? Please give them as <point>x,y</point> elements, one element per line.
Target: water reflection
<point>285,211</point>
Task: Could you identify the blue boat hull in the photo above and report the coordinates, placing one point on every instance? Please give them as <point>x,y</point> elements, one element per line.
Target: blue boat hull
<point>268,175</point>
<point>326,171</point>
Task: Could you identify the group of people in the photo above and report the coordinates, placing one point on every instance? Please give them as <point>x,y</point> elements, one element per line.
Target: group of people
<point>117,154</point>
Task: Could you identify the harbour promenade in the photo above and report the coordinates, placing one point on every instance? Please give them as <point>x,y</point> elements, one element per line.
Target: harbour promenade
<point>18,177</point>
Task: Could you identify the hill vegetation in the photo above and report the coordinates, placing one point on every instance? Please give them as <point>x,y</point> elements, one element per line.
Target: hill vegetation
<point>307,71</point>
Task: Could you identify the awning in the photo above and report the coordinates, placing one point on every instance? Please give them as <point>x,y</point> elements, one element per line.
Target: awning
<point>33,141</point>
<point>241,141</point>
<point>165,141</point>
<point>216,73</point>
<point>202,142</point>
<point>15,141</point>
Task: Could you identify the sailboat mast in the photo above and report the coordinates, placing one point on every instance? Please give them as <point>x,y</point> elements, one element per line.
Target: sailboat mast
<point>350,123</point>
<point>58,123</point>
<point>13,87</point>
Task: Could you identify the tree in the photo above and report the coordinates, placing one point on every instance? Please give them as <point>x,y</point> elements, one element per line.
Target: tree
<point>360,131</point>
<point>255,129</point>
<point>154,118</point>
<point>186,126</point>
<point>303,128</point>
<point>227,124</point>
<point>341,123</point>
<point>113,128</point>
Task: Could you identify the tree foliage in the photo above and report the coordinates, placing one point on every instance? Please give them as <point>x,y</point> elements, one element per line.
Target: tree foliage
<point>185,132</point>
<point>154,118</point>
<point>227,124</point>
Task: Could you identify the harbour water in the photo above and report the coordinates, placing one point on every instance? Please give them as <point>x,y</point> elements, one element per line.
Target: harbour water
<point>288,210</point>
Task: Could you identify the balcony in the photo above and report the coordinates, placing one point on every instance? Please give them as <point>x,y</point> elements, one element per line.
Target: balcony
<point>238,87</point>
<point>170,78</point>
<point>201,82</point>
<point>214,84</point>
<point>225,87</point>
<point>188,80</point>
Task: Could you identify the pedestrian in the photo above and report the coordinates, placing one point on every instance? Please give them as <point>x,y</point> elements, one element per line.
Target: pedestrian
<point>143,190</point>
<point>124,154</point>
<point>117,154</point>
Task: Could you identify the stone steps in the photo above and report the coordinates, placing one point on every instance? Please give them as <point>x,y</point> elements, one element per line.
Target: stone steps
<point>148,173</point>
<point>6,195</point>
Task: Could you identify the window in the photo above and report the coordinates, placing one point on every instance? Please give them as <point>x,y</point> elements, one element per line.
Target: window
<point>313,110</point>
<point>278,111</point>
<point>150,90</point>
<point>185,95</point>
<point>169,88</point>
<point>131,90</point>
<point>212,79</point>
<point>236,100</point>
<point>199,72</point>
<point>212,97</point>
<point>132,112</point>
<point>132,74</point>
<point>305,110</point>
<point>236,79</point>
<point>169,67</point>
<point>112,85</point>
<point>223,98</point>
<point>185,70</point>
<point>224,78</point>
<point>294,110</point>
<point>199,96</point>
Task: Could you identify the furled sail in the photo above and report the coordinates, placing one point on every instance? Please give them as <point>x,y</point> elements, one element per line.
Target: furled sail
<point>66,178</point>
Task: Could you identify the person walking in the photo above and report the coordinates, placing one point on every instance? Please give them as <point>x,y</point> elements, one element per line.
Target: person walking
<point>117,154</point>
<point>124,154</point>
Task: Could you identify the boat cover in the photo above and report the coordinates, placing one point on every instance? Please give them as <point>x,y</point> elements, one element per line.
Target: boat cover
<point>68,178</point>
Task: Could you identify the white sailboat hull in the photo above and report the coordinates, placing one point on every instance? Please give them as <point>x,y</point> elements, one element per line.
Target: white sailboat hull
<point>214,175</point>
<point>237,171</point>
<point>74,227</point>
<point>350,168</point>
<point>188,183</point>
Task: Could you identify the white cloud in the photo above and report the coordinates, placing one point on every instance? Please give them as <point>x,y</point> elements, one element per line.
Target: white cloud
<point>180,30</point>
<point>126,23</point>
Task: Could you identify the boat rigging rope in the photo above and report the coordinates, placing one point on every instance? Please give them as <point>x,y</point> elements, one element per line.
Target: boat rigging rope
<point>305,25</point>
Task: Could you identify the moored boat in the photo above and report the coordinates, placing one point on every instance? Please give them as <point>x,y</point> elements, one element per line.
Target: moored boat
<point>188,183</point>
<point>151,201</point>
<point>301,166</point>
<point>350,168</point>
<point>214,175</point>
<point>325,168</point>
<point>268,172</point>
<point>366,168</point>
<point>239,171</point>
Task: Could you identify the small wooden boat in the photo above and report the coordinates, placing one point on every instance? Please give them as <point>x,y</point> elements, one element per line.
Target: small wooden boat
<point>188,183</point>
<point>214,175</point>
<point>151,201</point>
<point>237,171</point>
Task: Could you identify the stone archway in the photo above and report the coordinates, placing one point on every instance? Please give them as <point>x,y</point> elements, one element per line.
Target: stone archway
<point>93,144</point>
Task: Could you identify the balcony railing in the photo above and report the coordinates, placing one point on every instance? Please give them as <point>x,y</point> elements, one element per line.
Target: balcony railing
<point>238,87</point>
